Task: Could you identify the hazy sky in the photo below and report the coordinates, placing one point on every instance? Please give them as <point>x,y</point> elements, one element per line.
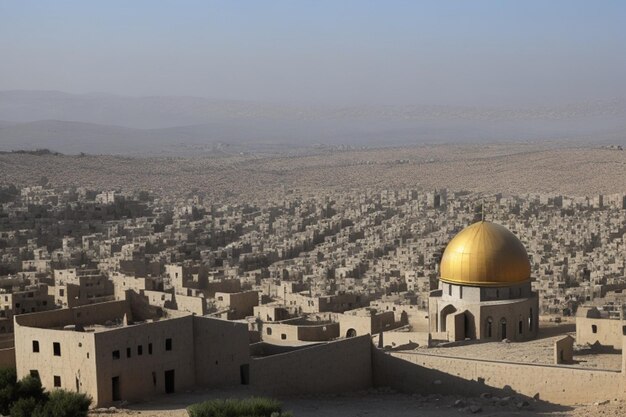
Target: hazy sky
<point>335,51</point>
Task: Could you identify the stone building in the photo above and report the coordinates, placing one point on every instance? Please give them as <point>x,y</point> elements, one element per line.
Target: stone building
<point>484,288</point>
<point>109,353</point>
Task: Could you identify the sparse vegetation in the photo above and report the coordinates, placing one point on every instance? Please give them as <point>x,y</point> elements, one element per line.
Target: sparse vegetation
<point>26,398</point>
<point>248,407</point>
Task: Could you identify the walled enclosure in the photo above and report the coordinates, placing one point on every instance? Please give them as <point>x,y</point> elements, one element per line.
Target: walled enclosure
<point>343,365</point>
<point>418,372</point>
<point>129,362</point>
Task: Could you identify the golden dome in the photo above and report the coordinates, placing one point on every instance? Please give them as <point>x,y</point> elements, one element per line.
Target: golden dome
<point>485,254</point>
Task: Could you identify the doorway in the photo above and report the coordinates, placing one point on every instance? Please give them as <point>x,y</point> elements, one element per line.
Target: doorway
<point>115,388</point>
<point>244,373</point>
<point>169,381</point>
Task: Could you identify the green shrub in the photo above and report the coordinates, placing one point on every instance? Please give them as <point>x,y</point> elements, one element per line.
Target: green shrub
<point>8,380</point>
<point>248,407</point>
<point>26,407</point>
<point>26,398</point>
<point>29,387</point>
<point>63,403</point>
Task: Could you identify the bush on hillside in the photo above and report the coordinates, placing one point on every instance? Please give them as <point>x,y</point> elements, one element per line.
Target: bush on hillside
<point>248,407</point>
<point>8,380</point>
<point>26,407</point>
<point>63,403</point>
<point>30,387</point>
<point>27,398</point>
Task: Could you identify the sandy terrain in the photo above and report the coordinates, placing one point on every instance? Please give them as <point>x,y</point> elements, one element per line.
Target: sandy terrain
<point>507,168</point>
<point>376,403</point>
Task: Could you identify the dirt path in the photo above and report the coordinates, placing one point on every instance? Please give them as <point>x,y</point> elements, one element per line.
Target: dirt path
<point>375,403</point>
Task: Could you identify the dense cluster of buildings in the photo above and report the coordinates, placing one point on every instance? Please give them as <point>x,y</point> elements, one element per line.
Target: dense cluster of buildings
<point>127,295</point>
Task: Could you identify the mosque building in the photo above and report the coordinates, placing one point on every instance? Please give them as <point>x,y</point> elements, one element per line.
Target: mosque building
<point>484,288</point>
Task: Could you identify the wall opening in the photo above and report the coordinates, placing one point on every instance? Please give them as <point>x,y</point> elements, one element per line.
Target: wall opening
<point>244,374</point>
<point>351,333</point>
<point>169,381</point>
<point>115,388</point>
<point>447,310</point>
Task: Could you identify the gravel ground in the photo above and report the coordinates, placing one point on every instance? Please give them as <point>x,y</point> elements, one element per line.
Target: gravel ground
<point>376,403</point>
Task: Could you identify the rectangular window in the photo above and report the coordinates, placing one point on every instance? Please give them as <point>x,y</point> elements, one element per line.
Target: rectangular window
<point>35,346</point>
<point>139,350</point>
<point>57,381</point>
<point>34,373</point>
<point>168,344</point>
<point>56,347</point>
<point>116,354</point>
<point>149,348</point>
<point>128,352</point>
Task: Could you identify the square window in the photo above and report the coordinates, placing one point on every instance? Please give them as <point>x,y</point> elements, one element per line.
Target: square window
<point>56,347</point>
<point>283,336</point>
<point>35,346</point>
<point>168,344</point>
<point>57,381</point>
<point>116,354</point>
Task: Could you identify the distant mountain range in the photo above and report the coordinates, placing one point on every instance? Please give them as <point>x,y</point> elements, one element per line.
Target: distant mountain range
<point>109,124</point>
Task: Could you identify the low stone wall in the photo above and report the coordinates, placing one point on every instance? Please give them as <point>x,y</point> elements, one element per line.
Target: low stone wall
<point>88,314</point>
<point>397,339</point>
<point>7,358</point>
<point>340,366</point>
<point>425,373</point>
